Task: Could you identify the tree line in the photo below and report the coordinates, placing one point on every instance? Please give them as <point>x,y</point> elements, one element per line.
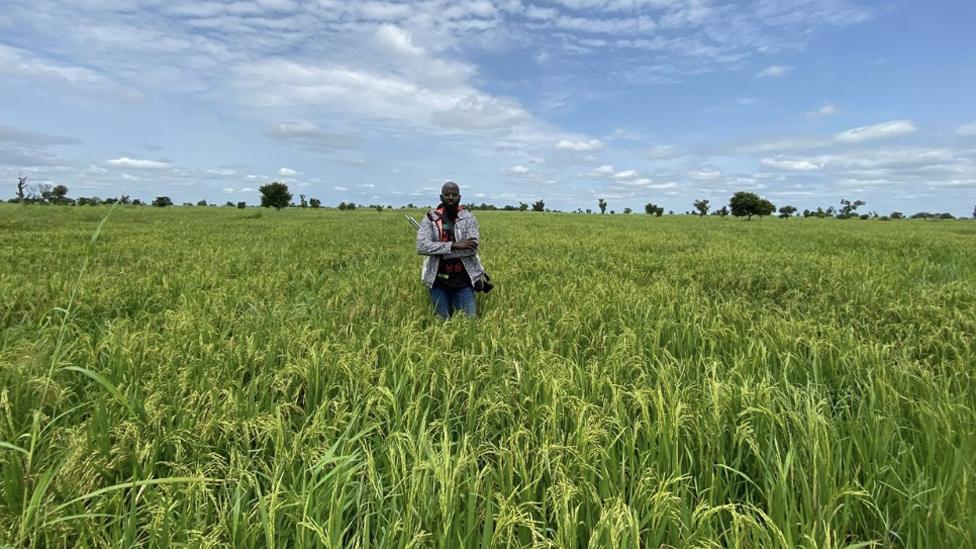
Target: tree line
<point>277,195</point>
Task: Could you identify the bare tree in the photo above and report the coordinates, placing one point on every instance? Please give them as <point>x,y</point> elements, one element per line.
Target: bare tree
<point>21,186</point>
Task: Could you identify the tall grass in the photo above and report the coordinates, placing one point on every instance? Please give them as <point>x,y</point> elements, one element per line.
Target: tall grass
<point>279,381</point>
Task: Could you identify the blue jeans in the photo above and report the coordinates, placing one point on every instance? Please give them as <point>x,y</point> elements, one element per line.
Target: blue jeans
<point>446,301</point>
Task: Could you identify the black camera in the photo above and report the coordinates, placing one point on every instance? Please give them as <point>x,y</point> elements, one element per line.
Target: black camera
<point>483,284</point>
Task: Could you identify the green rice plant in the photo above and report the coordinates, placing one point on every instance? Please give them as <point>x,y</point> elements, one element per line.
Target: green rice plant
<point>214,377</point>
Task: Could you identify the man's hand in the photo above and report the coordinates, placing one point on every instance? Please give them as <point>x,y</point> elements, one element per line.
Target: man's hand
<point>466,244</point>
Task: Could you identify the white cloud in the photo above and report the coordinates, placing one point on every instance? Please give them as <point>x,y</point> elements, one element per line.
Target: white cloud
<point>826,110</point>
<point>228,189</point>
<point>127,162</point>
<point>309,136</point>
<point>895,128</point>
<point>661,152</point>
<point>626,174</point>
<point>517,170</point>
<point>338,188</point>
<point>705,174</point>
<point>28,66</point>
<point>786,144</point>
<point>605,169</point>
<point>286,172</point>
<point>791,165</point>
<point>586,145</point>
<point>774,71</point>
<point>967,129</point>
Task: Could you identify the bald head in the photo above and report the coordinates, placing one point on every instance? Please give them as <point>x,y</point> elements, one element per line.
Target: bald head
<point>450,195</point>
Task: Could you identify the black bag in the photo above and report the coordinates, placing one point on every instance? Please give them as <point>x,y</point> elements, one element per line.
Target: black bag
<point>484,284</point>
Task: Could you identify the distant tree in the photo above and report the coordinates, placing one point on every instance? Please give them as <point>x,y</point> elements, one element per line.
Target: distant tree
<point>342,205</point>
<point>627,210</point>
<point>202,203</point>
<point>159,202</point>
<point>946,215</point>
<point>378,208</point>
<point>241,205</point>
<point>702,207</point>
<point>848,208</point>
<point>229,204</point>
<point>653,209</point>
<point>748,204</point>
<point>723,211</point>
<point>315,203</point>
<point>59,194</point>
<point>352,206</point>
<point>897,215</point>
<point>303,203</point>
<point>786,211</point>
<point>589,210</point>
<point>765,208</point>
<point>613,212</point>
<point>807,213</point>
<point>138,202</point>
<point>124,199</point>
<point>603,205</point>
<point>109,201</point>
<point>539,206</point>
<point>21,188</point>
<point>274,194</point>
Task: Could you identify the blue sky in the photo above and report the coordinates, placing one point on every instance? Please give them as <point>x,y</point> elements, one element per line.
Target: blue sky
<point>805,102</point>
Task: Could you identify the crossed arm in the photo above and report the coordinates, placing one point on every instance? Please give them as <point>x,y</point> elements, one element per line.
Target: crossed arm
<point>426,245</point>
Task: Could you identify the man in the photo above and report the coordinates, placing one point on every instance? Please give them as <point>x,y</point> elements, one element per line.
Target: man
<point>449,237</point>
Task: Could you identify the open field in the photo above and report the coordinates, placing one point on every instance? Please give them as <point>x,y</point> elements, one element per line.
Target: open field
<point>252,378</point>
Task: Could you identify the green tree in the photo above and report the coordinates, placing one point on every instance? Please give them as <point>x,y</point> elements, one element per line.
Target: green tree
<point>275,194</point>
<point>59,194</point>
<point>603,205</point>
<point>786,211</point>
<point>848,208</point>
<point>745,204</point>
<point>202,203</point>
<point>539,206</point>
<point>523,207</point>
<point>627,210</point>
<point>241,205</point>
<point>765,208</point>
<point>159,202</point>
<point>702,207</point>
<point>653,209</point>
<point>314,202</point>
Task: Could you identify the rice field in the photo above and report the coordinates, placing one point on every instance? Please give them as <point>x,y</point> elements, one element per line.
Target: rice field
<point>214,377</point>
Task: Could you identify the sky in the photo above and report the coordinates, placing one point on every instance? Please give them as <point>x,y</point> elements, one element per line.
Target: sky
<point>804,102</point>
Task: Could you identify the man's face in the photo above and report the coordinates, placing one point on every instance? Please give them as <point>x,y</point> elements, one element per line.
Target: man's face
<point>450,195</point>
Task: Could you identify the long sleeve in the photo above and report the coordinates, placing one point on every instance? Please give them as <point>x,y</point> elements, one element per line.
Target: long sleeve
<point>426,245</point>
<point>473,232</point>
